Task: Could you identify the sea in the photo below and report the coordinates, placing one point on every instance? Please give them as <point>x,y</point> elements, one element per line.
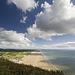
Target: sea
<point>63,60</point>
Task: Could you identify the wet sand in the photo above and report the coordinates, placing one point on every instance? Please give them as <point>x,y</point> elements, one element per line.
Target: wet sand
<point>37,60</point>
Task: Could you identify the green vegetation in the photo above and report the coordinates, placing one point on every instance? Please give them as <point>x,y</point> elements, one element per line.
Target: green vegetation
<point>14,55</point>
<point>10,68</point>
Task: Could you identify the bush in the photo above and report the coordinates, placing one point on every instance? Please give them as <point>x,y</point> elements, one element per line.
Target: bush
<point>10,68</point>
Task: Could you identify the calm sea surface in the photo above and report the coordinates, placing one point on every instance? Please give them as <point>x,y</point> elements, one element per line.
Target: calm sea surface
<point>62,59</point>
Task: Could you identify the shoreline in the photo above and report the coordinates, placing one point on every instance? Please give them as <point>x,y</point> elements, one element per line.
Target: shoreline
<point>36,59</point>
<point>47,61</point>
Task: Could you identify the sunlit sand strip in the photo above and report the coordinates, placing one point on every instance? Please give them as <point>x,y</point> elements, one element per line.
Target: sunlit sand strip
<point>37,60</point>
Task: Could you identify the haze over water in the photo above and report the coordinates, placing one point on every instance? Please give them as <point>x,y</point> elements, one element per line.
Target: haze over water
<point>62,59</point>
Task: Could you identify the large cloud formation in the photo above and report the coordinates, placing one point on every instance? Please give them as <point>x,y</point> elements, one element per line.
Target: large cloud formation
<point>34,32</point>
<point>24,5</point>
<point>12,39</point>
<point>55,19</point>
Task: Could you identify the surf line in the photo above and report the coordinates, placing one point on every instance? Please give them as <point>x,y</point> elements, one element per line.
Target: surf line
<point>46,60</point>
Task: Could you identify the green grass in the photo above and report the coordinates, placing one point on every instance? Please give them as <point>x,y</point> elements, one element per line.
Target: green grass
<point>14,55</point>
<point>10,68</point>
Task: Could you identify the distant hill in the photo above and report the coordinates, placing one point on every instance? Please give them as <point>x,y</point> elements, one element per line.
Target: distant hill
<point>15,50</point>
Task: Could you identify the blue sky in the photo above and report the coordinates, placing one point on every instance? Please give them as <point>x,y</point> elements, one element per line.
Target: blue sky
<point>37,24</point>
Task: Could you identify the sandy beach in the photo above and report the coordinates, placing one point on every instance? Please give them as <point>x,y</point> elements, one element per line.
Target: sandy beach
<point>37,60</point>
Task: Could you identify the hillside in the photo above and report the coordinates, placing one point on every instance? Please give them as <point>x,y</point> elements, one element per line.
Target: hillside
<point>10,68</point>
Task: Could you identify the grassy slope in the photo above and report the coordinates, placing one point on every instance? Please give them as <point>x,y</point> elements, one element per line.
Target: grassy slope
<point>14,55</point>
<point>10,68</point>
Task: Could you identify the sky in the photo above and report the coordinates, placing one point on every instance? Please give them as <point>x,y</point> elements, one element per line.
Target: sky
<point>37,24</point>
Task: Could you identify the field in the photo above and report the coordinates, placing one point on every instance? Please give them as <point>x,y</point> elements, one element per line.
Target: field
<point>14,55</point>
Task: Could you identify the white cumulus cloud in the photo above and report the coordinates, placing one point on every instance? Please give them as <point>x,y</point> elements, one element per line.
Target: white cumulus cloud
<point>34,32</point>
<point>58,17</point>
<point>12,39</point>
<point>24,5</point>
<point>55,19</point>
